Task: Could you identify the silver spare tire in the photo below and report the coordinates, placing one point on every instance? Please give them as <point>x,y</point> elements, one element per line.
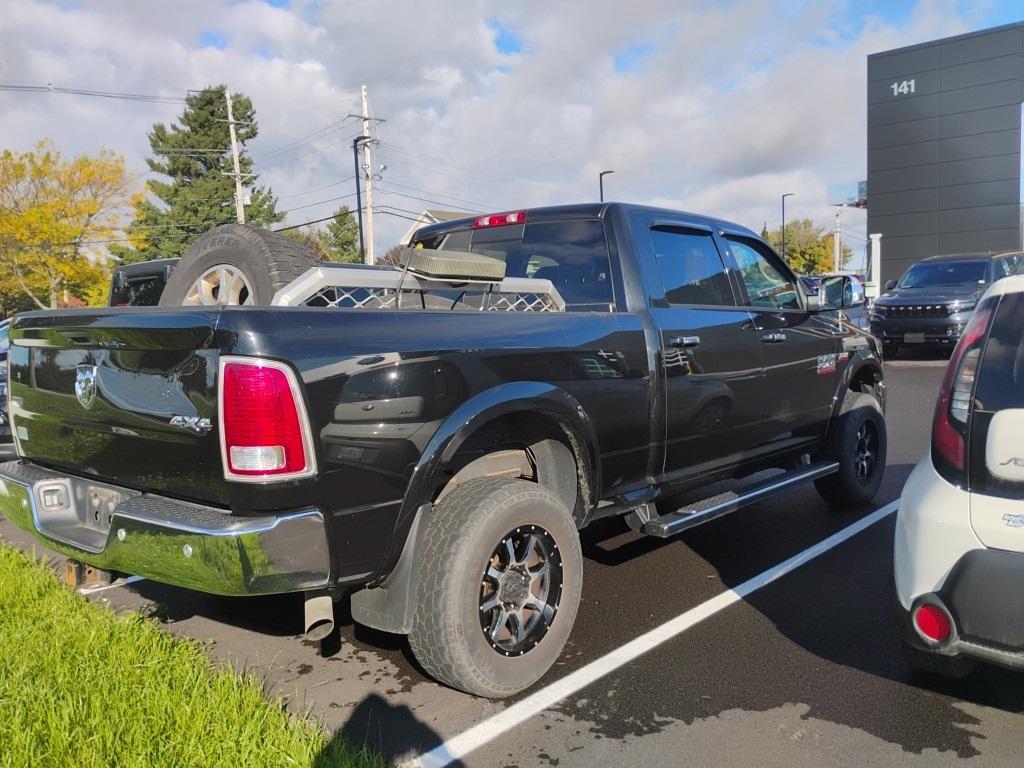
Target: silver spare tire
<point>236,264</point>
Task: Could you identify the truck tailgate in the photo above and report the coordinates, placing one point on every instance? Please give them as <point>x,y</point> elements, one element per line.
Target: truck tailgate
<point>99,393</point>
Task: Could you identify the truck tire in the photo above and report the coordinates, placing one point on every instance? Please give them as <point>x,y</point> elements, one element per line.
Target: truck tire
<point>236,264</point>
<point>858,443</point>
<point>499,587</point>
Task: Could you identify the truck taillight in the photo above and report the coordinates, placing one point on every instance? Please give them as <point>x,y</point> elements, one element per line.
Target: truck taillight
<point>264,430</point>
<point>953,409</point>
<point>499,219</point>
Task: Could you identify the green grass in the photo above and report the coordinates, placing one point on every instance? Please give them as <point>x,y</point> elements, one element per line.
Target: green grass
<point>82,686</point>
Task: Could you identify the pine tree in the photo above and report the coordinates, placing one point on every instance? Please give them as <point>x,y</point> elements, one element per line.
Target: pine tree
<point>338,241</point>
<point>195,155</point>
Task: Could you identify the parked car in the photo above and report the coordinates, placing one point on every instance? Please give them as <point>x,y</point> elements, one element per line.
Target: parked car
<point>933,301</point>
<point>959,548</point>
<point>431,438</point>
<point>141,284</point>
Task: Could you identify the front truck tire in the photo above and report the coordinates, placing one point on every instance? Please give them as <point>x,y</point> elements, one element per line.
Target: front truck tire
<point>236,264</point>
<point>501,572</point>
<point>858,442</point>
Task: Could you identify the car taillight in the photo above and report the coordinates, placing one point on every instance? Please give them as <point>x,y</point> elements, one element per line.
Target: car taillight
<point>499,219</point>
<point>953,409</point>
<point>264,430</point>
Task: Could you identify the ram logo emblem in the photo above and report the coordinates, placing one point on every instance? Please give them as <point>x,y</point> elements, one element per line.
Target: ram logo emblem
<point>85,385</point>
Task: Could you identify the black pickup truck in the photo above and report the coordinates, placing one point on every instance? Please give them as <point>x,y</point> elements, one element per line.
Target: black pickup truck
<point>392,434</point>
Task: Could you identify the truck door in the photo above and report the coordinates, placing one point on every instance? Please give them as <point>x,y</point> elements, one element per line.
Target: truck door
<point>800,349</point>
<point>710,355</point>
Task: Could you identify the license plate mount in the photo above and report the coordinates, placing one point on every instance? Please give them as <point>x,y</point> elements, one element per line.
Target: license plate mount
<point>913,338</point>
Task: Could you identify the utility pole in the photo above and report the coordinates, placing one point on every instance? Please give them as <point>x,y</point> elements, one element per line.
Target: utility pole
<point>359,200</point>
<point>239,206</point>
<point>783,231</point>
<point>368,168</point>
<point>837,249</point>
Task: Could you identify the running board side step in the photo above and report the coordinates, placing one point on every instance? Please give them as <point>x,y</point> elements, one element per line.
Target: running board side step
<point>708,509</point>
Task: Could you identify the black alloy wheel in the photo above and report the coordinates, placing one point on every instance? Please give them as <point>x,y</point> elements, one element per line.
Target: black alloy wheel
<point>520,590</point>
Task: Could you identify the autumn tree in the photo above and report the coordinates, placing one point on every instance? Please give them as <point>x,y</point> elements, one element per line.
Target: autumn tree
<point>809,248</point>
<point>196,193</point>
<point>337,241</point>
<point>56,217</point>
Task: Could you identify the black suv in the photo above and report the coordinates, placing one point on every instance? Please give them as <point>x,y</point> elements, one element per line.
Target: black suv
<point>932,302</point>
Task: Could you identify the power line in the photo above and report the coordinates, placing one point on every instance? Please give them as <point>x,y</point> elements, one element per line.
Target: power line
<point>49,88</point>
<point>317,189</point>
<point>427,200</point>
<point>476,203</point>
<point>448,164</point>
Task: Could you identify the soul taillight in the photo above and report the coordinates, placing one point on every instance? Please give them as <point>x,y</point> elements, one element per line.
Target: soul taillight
<point>264,429</point>
<point>499,219</point>
<point>953,409</point>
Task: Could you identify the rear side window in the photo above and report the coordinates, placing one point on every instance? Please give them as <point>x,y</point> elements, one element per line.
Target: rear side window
<point>691,267</point>
<point>1001,379</point>
<point>573,255</point>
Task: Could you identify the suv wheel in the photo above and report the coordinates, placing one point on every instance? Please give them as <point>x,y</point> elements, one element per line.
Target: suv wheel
<point>858,443</point>
<point>499,586</point>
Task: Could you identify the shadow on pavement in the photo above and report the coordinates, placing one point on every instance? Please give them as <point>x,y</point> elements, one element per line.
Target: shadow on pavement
<point>392,731</point>
<point>823,636</point>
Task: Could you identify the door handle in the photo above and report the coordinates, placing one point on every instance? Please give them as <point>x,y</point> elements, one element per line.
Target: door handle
<point>684,341</point>
<point>773,337</point>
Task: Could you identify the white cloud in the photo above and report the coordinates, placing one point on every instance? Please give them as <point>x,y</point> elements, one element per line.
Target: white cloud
<point>734,104</point>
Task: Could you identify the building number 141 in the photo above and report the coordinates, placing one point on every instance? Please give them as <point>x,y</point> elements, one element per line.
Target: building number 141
<point>903,88</point>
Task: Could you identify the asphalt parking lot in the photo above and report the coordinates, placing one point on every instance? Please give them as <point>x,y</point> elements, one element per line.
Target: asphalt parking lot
<point>803,671</point>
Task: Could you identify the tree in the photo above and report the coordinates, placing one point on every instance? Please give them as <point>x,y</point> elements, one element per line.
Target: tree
<point>809,249</point>
<point>337,241</point>
<point>56,215</point>
<point>195,155</point>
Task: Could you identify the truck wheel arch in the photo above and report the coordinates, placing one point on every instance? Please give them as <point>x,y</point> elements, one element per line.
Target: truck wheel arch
<point>543,430</point>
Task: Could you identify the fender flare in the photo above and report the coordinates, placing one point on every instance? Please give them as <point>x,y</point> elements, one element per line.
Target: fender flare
<point>388,604</point>
<point>859,361</point>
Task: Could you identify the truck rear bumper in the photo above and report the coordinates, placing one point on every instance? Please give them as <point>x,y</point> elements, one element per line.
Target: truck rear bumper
<point>187,545</point>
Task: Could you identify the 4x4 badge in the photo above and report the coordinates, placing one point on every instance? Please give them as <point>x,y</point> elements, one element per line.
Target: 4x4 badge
<point>85,385</point>
<point>194,423</point>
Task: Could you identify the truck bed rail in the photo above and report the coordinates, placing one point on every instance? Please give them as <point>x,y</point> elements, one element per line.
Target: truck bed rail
<point>347,286</point>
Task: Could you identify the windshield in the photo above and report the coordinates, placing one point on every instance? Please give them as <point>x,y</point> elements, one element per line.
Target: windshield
<point>934,273</point>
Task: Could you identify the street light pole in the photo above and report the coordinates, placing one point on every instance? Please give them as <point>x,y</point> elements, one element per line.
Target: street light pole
<point>600,182</point>
<point>359,195</point>
<point>788,194</point>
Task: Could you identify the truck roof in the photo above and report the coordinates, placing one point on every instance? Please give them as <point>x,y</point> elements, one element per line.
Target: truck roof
<point>591,211</point>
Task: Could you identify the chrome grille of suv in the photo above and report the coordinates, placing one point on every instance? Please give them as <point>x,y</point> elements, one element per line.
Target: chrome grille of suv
<point>915,310</point>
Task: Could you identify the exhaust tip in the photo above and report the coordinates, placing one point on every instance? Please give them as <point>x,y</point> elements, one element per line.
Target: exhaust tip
<point>319,616</point>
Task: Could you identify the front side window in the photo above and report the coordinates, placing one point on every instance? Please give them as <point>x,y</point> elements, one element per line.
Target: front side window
<point>691,267</point>
<point>767,284</point>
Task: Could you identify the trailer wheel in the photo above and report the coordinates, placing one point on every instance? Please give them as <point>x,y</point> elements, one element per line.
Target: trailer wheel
<point>500,582</point>
<point>237,265</point>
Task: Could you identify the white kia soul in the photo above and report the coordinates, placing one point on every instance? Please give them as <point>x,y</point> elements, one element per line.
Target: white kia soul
<point>959,549</point>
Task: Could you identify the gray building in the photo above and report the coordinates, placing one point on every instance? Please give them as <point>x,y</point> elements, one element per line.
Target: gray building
<point>944,146</point>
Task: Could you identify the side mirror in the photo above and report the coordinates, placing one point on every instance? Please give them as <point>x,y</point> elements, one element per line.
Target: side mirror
<point>840,292</point>
<point>1004,454</point>
<point>890,284</point>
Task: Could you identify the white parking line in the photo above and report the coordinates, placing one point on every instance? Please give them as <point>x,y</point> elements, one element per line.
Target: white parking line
<point>119,583</point>
<point>484,732</point>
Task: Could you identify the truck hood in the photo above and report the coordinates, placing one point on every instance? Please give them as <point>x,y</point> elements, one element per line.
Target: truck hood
<point>932,295</point>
